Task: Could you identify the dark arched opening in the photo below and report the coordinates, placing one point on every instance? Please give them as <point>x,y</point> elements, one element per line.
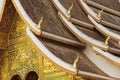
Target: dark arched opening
<point>16,77</point>
<point>31,76</point>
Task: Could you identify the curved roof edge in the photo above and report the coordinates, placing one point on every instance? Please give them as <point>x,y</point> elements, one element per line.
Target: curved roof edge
<point>104,30</point>
<point>90,12</point>
<point>83,37</point>
<point>102,63</point>
<point>112,58</point>
<point>60,63</point>
<point>25,17</point>
<point>2,6</point>
<point>49,55</point>
<point>61,8</point>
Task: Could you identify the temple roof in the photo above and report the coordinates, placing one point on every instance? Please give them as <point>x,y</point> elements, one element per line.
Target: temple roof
<point>64,30</point>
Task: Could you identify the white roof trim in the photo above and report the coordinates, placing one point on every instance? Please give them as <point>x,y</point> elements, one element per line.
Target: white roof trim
<point>83,37</point>
<point>24,15</point>
<point>104,30</point>
<point>2,6</point>
<point>103,63</point>
<point>88,10</point>
<point>61,8</point>
<point>107,55</point>
<point>49,54</point>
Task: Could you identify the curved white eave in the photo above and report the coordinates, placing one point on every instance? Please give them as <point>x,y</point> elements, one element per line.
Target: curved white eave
<point>104,30</point>
<point>67,67</point>
<point>49,54</point>
<point>25,17</point>
<point>83,37</point>
<point>2,6</point>
<point>61,8</point>
<point>102,63</point>
<point>107,55</point>
<point>88,10</point>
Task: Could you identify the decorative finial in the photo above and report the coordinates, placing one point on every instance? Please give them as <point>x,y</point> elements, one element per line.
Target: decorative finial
<point>75,62</point>
<point>106,41</point>
<point>40,22</point>
<point>84,1</point>
<point>69,10</point>
<point>100,14</point>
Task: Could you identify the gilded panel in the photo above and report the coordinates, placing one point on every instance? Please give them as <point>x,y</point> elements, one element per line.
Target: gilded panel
<point>23,57</point>
<point>3,40</point>
<point>59,75</point>
<point>4,66</point>
<point>49,67</point>
<point>17,40</point>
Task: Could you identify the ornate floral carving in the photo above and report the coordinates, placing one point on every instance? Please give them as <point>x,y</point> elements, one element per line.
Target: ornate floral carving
<point>23,56</point>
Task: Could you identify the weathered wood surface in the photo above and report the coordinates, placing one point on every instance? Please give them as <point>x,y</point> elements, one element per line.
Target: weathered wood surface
<point>52,24</point>
<point>113,4</point>
<point>7,17</point>
<point>78,13</point>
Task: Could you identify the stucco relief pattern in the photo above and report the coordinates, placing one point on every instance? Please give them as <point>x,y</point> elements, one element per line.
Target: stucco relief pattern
<point>22,57</point>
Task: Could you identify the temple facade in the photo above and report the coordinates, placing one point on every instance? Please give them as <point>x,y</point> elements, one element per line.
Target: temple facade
<point>59,40</point>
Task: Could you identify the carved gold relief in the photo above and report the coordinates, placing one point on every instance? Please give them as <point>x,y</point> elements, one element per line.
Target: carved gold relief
<point>3,40</point>
<point>49,67</point>
<point>23,56</point>
<point>15,66</point>
<point>4,66</point>
<point>17,40</point>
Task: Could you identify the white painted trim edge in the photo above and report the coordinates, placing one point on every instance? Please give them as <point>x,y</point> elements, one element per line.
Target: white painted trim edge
<point>99,27</point>
<point>104,30</point>
<point>102,63</point>
<point>83,37</point>
<point>25,16</point>
<point>49,54</point>
<point>2,6</point>
<point>88,10</point>
<point>108,55</point>
<point>55,59</point>
<point>61,8</point>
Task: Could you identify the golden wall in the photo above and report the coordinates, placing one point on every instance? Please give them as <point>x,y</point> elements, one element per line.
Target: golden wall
<point>22,57</point>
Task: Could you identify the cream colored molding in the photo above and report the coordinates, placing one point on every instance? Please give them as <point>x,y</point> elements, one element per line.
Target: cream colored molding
<point>61,8</point>
<point>49,55</point>
<point>83,37</point>
<point>93,18</point>
<point>2,6</point>
<point>104,30</point>
<point>88,10</point>
<point>112,58</point>
<point>102,62</point>
<point>25,17</point>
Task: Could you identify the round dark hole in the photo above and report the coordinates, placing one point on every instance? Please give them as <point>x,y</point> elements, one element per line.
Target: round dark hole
<point>32,76</point>
<point>16,77</point>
